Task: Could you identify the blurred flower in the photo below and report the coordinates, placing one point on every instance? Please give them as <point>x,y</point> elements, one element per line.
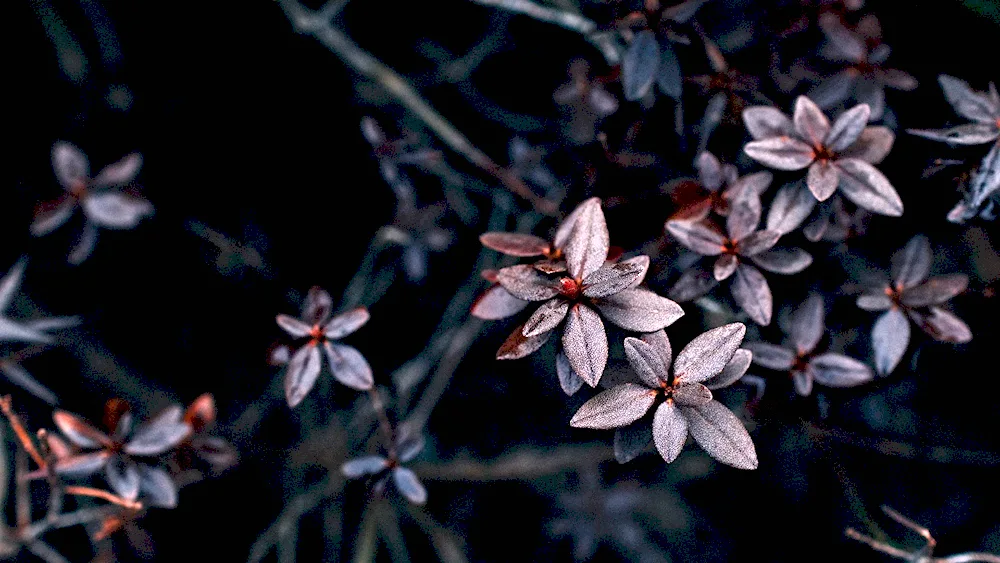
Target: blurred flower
<point>213,450</point>
<point>318,329</point>
<point>125,455</point>
<point>805,329</point>
<point>416,229</point>
<point>716,187</point>
<point>838,155</point>
<point>101,205</point>
<point>982,108</point>
<point>384,468</point>
<point>866,79</point>
<point>913,294</point>
<point>711,361</point>
<point>586,103</point>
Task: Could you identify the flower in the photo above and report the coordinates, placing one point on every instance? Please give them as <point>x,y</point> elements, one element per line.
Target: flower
<point>981,108</point>
<point>805,330</point>
<point>915,295</point>
<point>125,455</point>
<point>574,290</point>
<point>213,450</point>
<point>318,328</point>
<point>838,155</point>
<point>585,103</point>
<point>102,206</point>
<point>683,398</point>
<point>717,186</point>
<point>382,468</point>
<point>742,246</point>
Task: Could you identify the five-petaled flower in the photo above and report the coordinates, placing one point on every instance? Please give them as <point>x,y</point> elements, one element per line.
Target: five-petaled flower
<point>382,468</point>
<point>574,291</point>
<point>798,356</point>
<point>127,456</point>
<point>101,205</point>
<point>736,251</point>
<point>683,397</point>
<point>319,329</point>
<point>841,154</point>
<point>911,293</point>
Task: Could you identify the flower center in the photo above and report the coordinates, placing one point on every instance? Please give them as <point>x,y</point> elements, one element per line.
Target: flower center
<point>569,288</point>
<point>316,334</point>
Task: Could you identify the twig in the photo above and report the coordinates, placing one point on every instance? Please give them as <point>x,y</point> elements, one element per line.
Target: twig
<point>925,553</point>
<point>523,465</point>
<point>307,21</point>
<point>103,495</point>
<point>22,434</point>
<point>291,514</point>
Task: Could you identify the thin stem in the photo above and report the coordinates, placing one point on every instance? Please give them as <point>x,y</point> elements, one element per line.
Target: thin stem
<point>103,495</point>
<point>22,434</point>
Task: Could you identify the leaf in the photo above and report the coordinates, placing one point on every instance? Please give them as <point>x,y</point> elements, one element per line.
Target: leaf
<point>709,171</point>
<point>361,466</point>
<point>757,242</point>
<point>847,128</point>
<point>85,244</point>
<point>843,45</point>
<point>691,394</point>
<point>693,283</point>
<point>317,307</point>
<point>16,332</point>
<point>619,406</point>
<point>515,244</point>
<point>944,326</point>
<point>872,146</point>
<point>524,282</point>
<point>48,219</point>
<point>157,488</point>
<point>764,122</point>
<point>585,343</point>
<point>114,210</point>
<point>648,361</point>
<point>119,173</point>
<point>123,477</point>
<point>697,236</point>
<point>518,346</point>
<point>806,324</point>
<point>614,278</point>
<point>301,374</point>
<point>912,263</point>
<point>349,366</point>
<point>568,379</point>
<point>632,440</point>
<point>409,485</point>
<point>23,379</point>
<point>708,353</point>
<point>803,382</point>
<point>668,75</point>
<point>784,261</point>
<point>724,267</point>
<point>670,431</point>
<point>874,301</point>
<point>833,90</point>
<point>744,216</point>
<point>935,291</point>
<point>639,65</point>
<point>890,336</point>
<point>82,465</point>
<point>546,317</point>
<point>789,208</point>
<point>159,434</point>
<point>822,179</point>
<point>10,282</point>
<point>721,434</point>
<point>346,323</point>
<point>810,123</point>
<point>587,246</point>
<point>79,431</point>
<point>733,371</point>
<point>70,165</point>
<point>771,356</point>
<point>863,184</point>
<point>967,134</point>
<point>751,292</point>
<point>639,310</point>
<point>566,227</point>
<point>838,370</point>
<point>293,326</point>
<point>781,153</point>
<point>497,303</point>
<point>659,341</point>
<point>972,105</point>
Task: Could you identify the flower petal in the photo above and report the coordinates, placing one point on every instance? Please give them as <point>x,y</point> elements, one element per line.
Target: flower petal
<point>619,406</point>
<point>733,371</point>
<point>497,303</point>
<point>301,374</point>
<point>944,326</point>
<point>810,123</point>
<point>807,324</point>
<point>123,477</point>
<point>764,122</point>
<point>863,184</point>
<point>585,343</point>
<point>721,434</point>
<point>670,430</point>
<point>697,236</point>
<point>639,65</point>
<point>751,292</point>
<point>692,394</point>
<point>614,278</point>
<point>639,310</point>
<point>525,282</point>
<point>409,485</point>
<point>781,153</point>
<point>70,165</point>
<point>771,356</point>
<point>822,179</point>
<point>647,361</point>
<point>157,488</point>
<point>708,353</point>
<point>346,323</point>
<point>912,263</point>
<point>972,105</point>
<point>757,242</point>
<point>786,261</point>
<point>890,337</point>
<point>724,266</point>
<point>361,466</point>
<point>160,433</point>
<point>518,346</point>
<point>515,244</point>
<point>790,207</point>
<point>294,327</point>
<point>114,210</point>
<point>349,366</point>
<point>838,370</point>
<point>587,246</point>
<point>79,431</point>
<point>846,130</point>
<point>872,146</point>
<point>546,317</point>
<point>119,173</point>
<point>568,379</point>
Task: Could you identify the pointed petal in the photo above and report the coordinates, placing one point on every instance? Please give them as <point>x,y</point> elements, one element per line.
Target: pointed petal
<point>757,242</point>
<point>709,171</point>
<point>349,366</point>
<point>586,343</point>
<point>518,346</point>
<point>912,263</point>
<point>515,244</point>
<point>751,292</point>
<point>317,306</point>
<point>361,466</point>
<point>160,433</point>
<point>968,103</point>
<point>725,266</point>
<point>693,283</point>
<point>890,337</point>
<point>838,370</point>
<point>70,165</point>
<point>617,277</point>
<point>114,210</point>
<point>546,317</point>
<point>692,395</point>
<point>525,282</point>
<point>764,122</point>
<point>874,301</point>
<point>82,465</point>
<point>744,216</point>
<point>807,324</point>
<point>10,282</point>
<point>697,236</point>
<point>803,382</point>
<point>771,356</point>
<point>733,371</point>
<point>721,434</point>
<point>781,153</point>
<point>789,208</point>
<point>863,184</point>
<point>944,326</point>
<point>123,477</point>
<point>23,379</point>
<point>639,310</point>
<point>158,489</point>
<point>568,379</point>
<point>872,146</point>
<point>119,173</point>
<point>409,485</point>
<point>619,406</point>
<point>967,134</point>
<point>588,242</point>
<point>301,374</point>
<point>670,431</point>
<point>497,303</point>
<point>810,123</point>
<point>708,353</point>
<point>48,219</point>
<point>786,261</point>
<point>846,130</point>
<point>346,323</point>
<point>79,431</point>
<point>293,326</point>
<point>822,179</point>
<point>647,361</point>
<point>639,65</point>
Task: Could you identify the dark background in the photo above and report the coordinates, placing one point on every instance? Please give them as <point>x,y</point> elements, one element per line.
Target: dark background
<point>252,129</point>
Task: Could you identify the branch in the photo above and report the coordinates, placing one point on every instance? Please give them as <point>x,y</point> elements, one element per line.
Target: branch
<point>525,465</point>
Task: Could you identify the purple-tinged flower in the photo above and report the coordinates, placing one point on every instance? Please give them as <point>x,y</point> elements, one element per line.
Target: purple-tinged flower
<point>102,206</point>
<point>382,469</point>
<point>737,254</point>
<point>318,329</point>
<point>716,187</point>
<point>913,294</point>
<point>682,397</point>
<point>865,78</point>
<point>839,155</point>
<point>127,456</point>
<point>798,357</point>
<point>981,108</point>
